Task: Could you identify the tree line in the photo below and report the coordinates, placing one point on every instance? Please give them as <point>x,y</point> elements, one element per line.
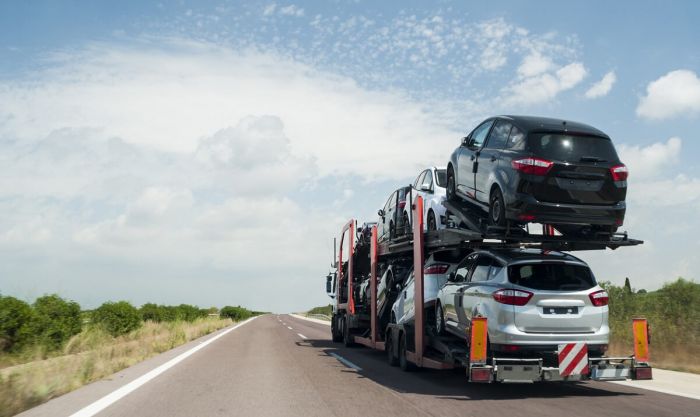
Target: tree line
<point>51,320</point>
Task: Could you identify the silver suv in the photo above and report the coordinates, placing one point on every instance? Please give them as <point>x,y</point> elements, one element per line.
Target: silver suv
<point>533,299</point>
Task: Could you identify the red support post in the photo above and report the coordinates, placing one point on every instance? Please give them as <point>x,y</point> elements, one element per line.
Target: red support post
<point>373,285</point>
<point>349,227</point>
<point>418,261</point>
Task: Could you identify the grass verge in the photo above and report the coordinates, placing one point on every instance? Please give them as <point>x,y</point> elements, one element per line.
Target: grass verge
<point>91,355</point>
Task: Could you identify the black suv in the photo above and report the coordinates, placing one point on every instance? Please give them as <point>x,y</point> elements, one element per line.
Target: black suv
<point>531,169</point>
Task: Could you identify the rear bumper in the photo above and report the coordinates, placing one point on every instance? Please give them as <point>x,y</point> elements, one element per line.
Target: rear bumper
<point>509,334</point>
<point>556,213</point>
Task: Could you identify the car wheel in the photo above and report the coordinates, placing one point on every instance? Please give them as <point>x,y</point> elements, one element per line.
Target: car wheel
<point>497,208</point>
<point>439,320</point>
<point>404,364</point>
<point>432,223</point>
<point>406,224</point>
<point>389,348</point>
<point>392,231</point>
<point>451,185</point>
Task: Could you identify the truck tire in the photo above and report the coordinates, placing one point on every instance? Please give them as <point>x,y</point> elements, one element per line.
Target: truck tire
<point>404,364</point>
<point>335,334</point>
<point>348,339</point>
<point>389,349</point>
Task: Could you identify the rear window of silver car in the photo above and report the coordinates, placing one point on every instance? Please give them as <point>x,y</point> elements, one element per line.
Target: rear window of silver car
<point>551,276</point>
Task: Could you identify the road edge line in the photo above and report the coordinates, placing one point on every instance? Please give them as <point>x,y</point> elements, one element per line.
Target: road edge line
<point>327,323</point>
<point>123,391</point>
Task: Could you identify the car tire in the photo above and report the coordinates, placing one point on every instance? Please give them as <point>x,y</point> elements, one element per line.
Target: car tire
<point>439,320</point>
<point>406,224</point>
<point>451,185</point>
<point>392,231</point>
<point>432,222</point>
<point>389,349</point>
<point>404,364</point>
<point>497,208</point>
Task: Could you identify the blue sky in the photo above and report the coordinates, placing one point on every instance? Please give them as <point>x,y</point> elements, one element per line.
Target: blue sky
<point>207,152</point>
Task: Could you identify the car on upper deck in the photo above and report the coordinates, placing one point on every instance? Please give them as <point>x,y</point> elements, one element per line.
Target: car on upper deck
<point>523,169</point>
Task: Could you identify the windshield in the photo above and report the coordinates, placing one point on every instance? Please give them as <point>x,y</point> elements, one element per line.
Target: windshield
<point>441,177</point>
<point>551,276</point>
<point>572,148</point>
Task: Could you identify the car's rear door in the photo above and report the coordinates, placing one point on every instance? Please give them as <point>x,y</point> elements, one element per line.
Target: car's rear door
<point>467,164</point>
<point>487,159</point>
<point>580,171</point>
<point>452,295</point>
<point>560,301</point>
<point>383,224</point>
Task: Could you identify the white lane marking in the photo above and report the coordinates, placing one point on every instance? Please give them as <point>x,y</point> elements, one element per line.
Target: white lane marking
<point>345,362</point>
<point>120,393</point>
<point>302,336</point>
<point>289,328</point>
<point>632,384</point>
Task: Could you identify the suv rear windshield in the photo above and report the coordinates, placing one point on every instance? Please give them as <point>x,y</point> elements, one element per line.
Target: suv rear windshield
<point>572,148</point>
<point>441,177</point>
<point>551,276</point>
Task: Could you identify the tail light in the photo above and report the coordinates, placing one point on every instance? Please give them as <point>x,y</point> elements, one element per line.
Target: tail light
<point>510,348</point>
<point>435,269</point>
<point>402,203</point>
<point>599,298</point>
<point>526,217</point>
<point>532,166</point>
<point>512,297</point>
<point>619,173</point>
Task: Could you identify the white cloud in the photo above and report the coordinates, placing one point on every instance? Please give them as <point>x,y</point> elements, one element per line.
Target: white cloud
<point>674,94</point>
<point>269,9</point>
<point>602,87</point>
<point>292,10</point>
<point>543,87</point>
<point>649,161</point>
<point>534,64</point>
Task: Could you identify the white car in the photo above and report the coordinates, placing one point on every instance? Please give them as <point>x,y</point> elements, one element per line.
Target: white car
<point>431,185</point>
<point>435,273</point>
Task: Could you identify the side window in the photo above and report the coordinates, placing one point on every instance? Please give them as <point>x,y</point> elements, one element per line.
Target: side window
<point>419,180</point>
<point>516,140</point>
<point>462,272</point>
<point>499,135</point>
<point>496,268</point>
<point>481,269</point>
<point>478,136</point>
<point>428,180</point>
<point>390,202</point>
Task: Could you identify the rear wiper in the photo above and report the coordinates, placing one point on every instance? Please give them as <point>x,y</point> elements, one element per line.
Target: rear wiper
<point>592,159</point>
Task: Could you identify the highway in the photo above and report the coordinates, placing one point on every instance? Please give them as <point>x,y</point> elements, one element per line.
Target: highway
<point>285,366</point>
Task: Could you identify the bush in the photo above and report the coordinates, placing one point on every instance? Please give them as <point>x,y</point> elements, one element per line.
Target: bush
<point>55,321</point>
<point>325,310</point>
<point>156,313</point>
<point>188,312</point>
<point>15,318</point>
<point>117,318</point>
<point>235,313</point>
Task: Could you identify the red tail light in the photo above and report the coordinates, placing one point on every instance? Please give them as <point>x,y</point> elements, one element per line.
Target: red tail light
<point>526,217</point>
<point>532,166</point>
<point>436,269</point>
<point>619,173</point>
<point>512,297</point>
<point>510,348</point>
<point>402,203</point>
<point>599,298</point>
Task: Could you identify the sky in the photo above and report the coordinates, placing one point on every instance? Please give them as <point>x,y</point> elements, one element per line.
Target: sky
<point>208,152</point>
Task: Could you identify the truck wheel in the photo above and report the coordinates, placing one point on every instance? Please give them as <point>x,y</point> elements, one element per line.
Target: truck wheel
<point>348,339</point>
<point>404,364</point>
<point>389,348</point>
<point>336,335</point>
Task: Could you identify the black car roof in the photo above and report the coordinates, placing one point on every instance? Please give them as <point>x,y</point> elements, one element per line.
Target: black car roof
<point>521,254</point>
<point>546,124</point>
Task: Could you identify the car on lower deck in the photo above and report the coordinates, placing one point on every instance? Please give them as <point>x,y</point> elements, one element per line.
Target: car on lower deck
<point>435,272</point>
<point>523,169</point>
<point>532,299</point>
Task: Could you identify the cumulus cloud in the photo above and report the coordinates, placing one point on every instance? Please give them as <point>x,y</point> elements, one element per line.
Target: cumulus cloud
<point>674,94</point>
<point>647,162</point>
<point>602,87</point>
<point>534,86</point>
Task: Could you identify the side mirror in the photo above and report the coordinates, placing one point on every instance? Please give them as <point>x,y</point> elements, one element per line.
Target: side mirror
<point>329,284</point>
<point>381,213</point>
<point>452,277</point>
<point>465,141</point>
<point>426,188</point>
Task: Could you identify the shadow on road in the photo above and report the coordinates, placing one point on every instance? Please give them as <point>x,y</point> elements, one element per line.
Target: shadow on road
<point>452,384</point>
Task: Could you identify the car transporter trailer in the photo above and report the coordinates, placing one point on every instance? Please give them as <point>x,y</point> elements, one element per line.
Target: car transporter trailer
<point>411,345</point>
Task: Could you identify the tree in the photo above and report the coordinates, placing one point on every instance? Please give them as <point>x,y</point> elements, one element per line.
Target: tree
<point>15,317</point>
<point>55,320</point>
<point>628,287</point>
<point>117,318</point>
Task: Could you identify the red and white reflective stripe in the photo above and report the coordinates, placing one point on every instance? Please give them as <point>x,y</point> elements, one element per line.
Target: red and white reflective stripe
<point>573,359</point>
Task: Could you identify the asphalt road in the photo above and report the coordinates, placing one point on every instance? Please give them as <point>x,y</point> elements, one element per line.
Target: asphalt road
<point>285,366</point>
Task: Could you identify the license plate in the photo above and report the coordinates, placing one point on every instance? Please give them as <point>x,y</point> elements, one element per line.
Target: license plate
<point>560,310</point>
<point>579,185</point>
